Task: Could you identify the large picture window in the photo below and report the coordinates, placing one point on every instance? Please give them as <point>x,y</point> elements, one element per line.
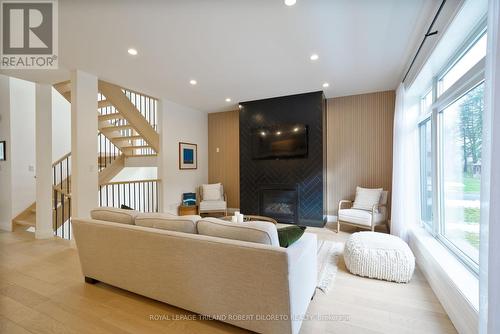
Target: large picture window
<point>450,163</point>
<point>461,129</point>
<point>426,171</point>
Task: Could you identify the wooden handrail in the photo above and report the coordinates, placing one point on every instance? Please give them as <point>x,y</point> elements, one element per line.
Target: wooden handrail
<point>138,93</point>
<point>61,159</point>
<point>134,181</point>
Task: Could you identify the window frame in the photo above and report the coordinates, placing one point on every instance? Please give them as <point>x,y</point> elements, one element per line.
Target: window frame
<point>467,45</point>
<point>461,255</point>
<point>423,123</point>
<point>440,101</point>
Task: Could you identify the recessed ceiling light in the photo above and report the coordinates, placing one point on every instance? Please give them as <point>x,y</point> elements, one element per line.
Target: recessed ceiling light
<point>263,133</point>
<point>240,106</point>
<point>326,85</point>
<point>278,133</point>
<point>295,129</point>
<point>290,2</point>
<point>314,57</point>
<point>193,82</point>
<point>132,52</point>
<point>228,99</point>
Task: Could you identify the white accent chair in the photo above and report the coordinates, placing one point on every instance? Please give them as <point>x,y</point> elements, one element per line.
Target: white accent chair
<point>212,199</point>
<point>364,218</point>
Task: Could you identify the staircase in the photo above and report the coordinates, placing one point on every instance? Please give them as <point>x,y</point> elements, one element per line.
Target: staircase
<point>61,199</point>
<point>126,118</point>
<point>127,128</point>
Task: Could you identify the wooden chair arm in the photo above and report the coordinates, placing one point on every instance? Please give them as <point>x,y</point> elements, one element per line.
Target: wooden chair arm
<point>376,209</point>
<point>344,201</point>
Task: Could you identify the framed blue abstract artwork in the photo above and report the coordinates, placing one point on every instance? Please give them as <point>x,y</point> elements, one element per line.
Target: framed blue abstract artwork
<point>188,156</point>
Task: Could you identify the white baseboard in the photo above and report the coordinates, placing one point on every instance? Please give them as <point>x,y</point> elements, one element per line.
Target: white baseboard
<point>6,226</point>
<point>456,288</point>
<point>331,218</point>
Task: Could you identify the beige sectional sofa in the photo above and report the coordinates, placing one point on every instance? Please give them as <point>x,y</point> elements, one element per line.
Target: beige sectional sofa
<point>236,273</point>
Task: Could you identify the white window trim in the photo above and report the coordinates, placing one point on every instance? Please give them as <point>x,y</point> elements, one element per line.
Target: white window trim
<point>455,286</point>
<point>468,43</point>
<point>472,78</point>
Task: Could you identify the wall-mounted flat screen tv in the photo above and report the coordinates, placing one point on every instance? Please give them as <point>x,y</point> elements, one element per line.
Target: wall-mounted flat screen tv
<point>283,141</point>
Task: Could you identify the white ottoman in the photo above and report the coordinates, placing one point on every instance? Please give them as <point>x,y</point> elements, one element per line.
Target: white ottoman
<point>379,255</point>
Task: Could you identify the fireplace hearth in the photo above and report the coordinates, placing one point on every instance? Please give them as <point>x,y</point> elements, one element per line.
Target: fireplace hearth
<point>280,202</point>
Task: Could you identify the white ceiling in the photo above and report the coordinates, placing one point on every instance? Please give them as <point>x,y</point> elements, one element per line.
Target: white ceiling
<point>244,50</point>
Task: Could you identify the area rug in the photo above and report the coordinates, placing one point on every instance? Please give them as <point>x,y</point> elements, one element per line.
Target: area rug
<point>328,257</point>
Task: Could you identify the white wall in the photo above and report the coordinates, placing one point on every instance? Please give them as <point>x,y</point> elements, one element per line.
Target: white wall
<point>181,124</point>
<point>5,166</point>
<point>22,127</point>
<point>136,173</point>
<point>17,127</point>
<point>61,125</point>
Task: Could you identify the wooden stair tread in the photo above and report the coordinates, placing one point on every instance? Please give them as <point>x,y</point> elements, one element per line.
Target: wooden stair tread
<point>28,220</point>
<point>103,104</point>
<point>109,117</point>
<point>63,87</point>
<point>125,138</point>
<point>143,155</point>
<point>134,147</point>
<point>115,128</point>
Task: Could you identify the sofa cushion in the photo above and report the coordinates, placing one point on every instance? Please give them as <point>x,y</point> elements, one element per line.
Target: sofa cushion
<point>212,192</point>
<point>366,198</point>
<point>255,231</point>
<point>165,221</point>
<point>361,217</point>
<point>289,234</point>
<point>122,216</point>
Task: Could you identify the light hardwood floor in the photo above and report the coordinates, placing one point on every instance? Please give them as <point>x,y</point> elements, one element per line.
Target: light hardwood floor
<point>42,291</point>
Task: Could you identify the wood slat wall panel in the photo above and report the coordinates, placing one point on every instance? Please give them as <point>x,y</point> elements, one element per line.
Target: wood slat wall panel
<point>359,144</point>
<point>359,147</point>
<point>224,166</point>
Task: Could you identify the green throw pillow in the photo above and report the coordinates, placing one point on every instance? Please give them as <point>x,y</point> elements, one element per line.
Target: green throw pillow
<point>289,234</point>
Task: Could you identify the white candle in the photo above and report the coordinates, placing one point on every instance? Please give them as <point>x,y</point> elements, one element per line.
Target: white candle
<point>234,219</point>
<point>236,213</point>
<point>240,218</point>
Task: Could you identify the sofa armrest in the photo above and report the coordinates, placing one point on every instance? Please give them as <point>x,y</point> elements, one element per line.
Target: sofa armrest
<point>302,276</point>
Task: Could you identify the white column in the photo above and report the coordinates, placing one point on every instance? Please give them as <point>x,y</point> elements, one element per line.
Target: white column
<point>43,161</point>
<point>84,178</point>
<point>161,169</point>
<point>5,166</point>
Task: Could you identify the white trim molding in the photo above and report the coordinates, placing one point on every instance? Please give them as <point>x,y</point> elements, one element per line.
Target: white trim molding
<point>489,253</point>
<point>454,285</point>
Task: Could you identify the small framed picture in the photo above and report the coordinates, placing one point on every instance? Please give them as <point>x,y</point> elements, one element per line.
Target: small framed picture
<point>3,154</point>
<point>188,156</point>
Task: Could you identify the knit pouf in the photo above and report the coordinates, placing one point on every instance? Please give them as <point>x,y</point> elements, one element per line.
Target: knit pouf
<point>379,255</point>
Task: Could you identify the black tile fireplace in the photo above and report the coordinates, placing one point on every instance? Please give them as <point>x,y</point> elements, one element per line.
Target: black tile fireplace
<point>280,202</point>
<point>290,189</point>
